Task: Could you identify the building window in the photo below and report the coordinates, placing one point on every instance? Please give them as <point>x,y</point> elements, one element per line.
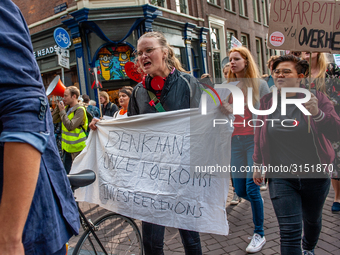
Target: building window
<point>215,39</point>
<point>182,6</point>
<point>259,54</point>
<point>243,8</point>
<point>265,12</point>
<point>212,1</point>
<point>230,33</point>
<point>229,5</point>
<point>215,43</point>
<point>256,9</point>
<point>161,3</point>
<point>244,40</point>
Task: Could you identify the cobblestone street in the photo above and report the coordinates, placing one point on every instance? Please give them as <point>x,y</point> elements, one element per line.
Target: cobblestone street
<point>241,230</point>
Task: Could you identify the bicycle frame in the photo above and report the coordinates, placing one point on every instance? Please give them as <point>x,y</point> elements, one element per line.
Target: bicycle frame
<point>90,226</point>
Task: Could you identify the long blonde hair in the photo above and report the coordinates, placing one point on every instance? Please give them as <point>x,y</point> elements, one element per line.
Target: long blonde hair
<point>251,73</point>
<point>171,61</point>
<point>320,78</point>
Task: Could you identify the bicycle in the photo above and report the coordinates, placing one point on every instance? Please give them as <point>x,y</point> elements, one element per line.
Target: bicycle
<point>110,234</point>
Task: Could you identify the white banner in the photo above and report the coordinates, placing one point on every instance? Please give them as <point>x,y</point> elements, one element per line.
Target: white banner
<point>146,164</point>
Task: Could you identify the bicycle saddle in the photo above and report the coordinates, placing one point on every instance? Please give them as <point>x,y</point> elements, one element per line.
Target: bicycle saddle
<point>82,179</point>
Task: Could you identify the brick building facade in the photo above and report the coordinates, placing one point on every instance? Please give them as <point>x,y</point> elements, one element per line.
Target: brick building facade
<point>199,31</point>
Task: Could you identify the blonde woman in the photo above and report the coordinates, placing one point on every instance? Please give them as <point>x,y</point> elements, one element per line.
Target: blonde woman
<point>244,70</point>
<point>326,78</point>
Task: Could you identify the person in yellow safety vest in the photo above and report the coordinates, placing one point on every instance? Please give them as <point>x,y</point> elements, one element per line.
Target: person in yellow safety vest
<point>74,123</point>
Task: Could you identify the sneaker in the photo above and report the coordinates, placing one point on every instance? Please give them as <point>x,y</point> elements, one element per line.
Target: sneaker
<point>256,243</point>
<point>263,186</point>
<point>336,207</point>
<point>236,199</point>
<point>305,252</point>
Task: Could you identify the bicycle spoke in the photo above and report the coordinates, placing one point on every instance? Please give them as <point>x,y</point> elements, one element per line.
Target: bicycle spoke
<point>118,234</point>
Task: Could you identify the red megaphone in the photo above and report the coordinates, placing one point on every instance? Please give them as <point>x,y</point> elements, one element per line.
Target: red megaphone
<point>56,87</point>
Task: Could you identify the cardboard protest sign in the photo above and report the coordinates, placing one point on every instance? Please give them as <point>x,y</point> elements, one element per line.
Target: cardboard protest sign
<point>145,170</point>
<point>300,25</point>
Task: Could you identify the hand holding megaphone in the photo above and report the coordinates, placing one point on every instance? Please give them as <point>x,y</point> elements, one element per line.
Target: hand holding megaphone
<point>61,106</point>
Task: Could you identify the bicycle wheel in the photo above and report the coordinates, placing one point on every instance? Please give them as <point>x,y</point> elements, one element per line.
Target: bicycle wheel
<point>118,234</point>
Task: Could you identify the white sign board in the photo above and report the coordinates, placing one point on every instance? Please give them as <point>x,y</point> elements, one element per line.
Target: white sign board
<point>235,43</point>
<point>337,59</point>
<point>63,52</point>
<point>146,165</point>
<point>64,61</point>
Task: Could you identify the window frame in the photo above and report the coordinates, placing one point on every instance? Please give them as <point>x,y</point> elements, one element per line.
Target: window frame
<point>256,11</point>
<point>244,35</point>
<point>265,12</point>
<point>217,23</point>
<point>243,4</point>
<point>258,46</point>
<point>234,33</point>
<point>180,4</point>
<point>155,2</point>
<point>231,5</point>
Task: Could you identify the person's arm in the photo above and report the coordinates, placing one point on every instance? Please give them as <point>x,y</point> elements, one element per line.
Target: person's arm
<point>257,155</point>
<point>264,88</point>
<point>56,115</point>
<point>75,122</point>
<point>325,118</point>
<point>19,183</point>
<point>133,106</point>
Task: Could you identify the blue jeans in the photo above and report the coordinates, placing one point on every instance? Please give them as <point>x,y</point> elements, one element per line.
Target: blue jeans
<point>242,149</point>
<point>153,240</point>
<point>298,201</point>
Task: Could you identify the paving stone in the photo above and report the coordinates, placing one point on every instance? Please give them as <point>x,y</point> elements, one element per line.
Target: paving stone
<point>241,228</point>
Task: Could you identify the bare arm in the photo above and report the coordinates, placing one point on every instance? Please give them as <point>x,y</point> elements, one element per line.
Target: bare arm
<point>20,179</point>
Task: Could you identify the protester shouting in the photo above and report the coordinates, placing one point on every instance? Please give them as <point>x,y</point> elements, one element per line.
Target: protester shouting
<point>178,91</point>
<point>298,195</point>
<point>244,70</point>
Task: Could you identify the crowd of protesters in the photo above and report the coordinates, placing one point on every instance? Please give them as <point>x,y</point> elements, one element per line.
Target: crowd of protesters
<point>297,197</point>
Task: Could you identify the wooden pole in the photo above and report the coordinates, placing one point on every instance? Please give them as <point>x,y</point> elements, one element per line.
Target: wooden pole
<point>100,107</point>
<point>310,83</point>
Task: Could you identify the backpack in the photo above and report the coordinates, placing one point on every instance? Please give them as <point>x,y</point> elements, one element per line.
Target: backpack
<point>89,119</point>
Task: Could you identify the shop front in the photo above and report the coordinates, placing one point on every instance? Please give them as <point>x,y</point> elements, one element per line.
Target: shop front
<point>107,39</point>
<point>45,52</point>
